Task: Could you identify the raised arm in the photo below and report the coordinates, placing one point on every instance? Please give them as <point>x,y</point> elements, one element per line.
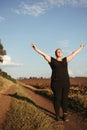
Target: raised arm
<point>72,55</point>
<point>47,57</point>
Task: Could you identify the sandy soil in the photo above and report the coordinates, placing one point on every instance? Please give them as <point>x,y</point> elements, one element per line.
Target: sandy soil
<point>5,102</point>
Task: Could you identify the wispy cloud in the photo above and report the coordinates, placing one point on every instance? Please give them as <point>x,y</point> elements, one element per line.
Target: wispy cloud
<point>77,72</point>
<point>8,62</point>
<point>40,7</point>
<point>64,45</point>
<point>1,19</point>
<point>75,3</point>
<point>34,9</point>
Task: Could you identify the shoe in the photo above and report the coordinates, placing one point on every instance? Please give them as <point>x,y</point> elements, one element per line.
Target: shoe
<point>59,118</point>
<point>64,118</point>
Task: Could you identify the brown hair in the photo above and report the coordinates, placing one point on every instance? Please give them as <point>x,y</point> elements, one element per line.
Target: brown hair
<point>57,50</point>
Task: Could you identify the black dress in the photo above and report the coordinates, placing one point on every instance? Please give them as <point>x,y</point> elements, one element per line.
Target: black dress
<point>60,83</point>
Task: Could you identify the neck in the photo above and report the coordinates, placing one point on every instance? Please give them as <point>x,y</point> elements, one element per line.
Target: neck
<point>59,58</point>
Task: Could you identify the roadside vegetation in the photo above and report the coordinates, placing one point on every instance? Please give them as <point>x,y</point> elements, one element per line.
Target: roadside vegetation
<point>3,53</point>
<point>6,76</point>
<point>76,102</point>
<point>4,83</point>
<point>77,95</point>
<point>24,114</point>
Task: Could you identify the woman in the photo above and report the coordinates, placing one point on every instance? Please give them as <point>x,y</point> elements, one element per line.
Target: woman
<point>59,79</point>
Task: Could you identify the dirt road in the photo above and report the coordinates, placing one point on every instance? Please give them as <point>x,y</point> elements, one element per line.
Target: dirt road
<point>5,102</point>
<point>75,121</point>
<point>44,104</point>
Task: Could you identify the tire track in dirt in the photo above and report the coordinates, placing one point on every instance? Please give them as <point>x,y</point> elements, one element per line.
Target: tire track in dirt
<point>43,103</point>
<point>75,121</point>
<point>5,102</point>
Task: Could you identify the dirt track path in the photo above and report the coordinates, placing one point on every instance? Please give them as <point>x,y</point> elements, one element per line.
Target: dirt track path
<point>75,122</point>
<point>44,104</point>
<point>5,102</point>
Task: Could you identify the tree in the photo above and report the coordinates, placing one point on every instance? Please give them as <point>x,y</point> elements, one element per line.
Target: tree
<point>2,52</point>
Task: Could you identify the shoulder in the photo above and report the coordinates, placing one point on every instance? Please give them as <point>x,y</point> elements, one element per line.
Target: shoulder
<point>52,61</point>
<point>65,59</point>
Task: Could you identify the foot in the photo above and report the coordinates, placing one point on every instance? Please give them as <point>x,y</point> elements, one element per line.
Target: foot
<point>64,118</point>
<point>59,118</point>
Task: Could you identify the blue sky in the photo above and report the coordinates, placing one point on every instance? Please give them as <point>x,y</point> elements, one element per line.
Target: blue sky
<point>50,24</point>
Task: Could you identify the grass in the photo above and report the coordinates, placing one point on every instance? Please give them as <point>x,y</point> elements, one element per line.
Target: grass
<point>77,102</point>
<point>4,83</point>
<point>25,115</point>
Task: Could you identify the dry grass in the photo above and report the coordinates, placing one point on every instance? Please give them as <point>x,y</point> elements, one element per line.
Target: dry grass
<point>24,114</point>
<point>4,83</point>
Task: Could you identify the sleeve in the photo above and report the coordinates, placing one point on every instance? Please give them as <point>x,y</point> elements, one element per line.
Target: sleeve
<point>52,63</point>
<point>65,61</point>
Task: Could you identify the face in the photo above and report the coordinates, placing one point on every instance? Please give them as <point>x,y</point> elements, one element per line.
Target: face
<point>58,53</point>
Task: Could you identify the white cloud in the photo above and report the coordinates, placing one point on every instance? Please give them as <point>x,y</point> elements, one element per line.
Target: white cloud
<point>75,3</point>
<point>64,45</point>
<point>35,9</point>
<point>1,19</point>
<point>8,62</point>
<point>40,7</point>
<point>77,72</point>
<point>57,2</point>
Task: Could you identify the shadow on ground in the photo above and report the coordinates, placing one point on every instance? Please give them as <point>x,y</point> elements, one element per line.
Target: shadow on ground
<point>23,98</point>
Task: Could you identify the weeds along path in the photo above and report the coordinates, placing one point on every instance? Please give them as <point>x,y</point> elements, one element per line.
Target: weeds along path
<point>5,102</point>
<point>75,123</point>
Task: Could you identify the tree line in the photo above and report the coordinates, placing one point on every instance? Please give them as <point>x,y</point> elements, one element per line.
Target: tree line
<point>2,52</point>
